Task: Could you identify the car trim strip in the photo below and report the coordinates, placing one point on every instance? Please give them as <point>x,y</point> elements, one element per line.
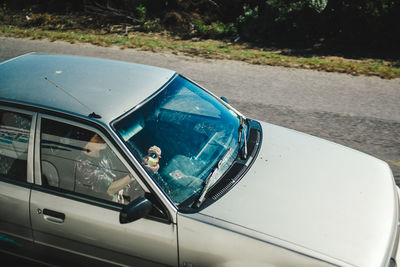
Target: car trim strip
<point>14,58</point>
<point>37,179</point>
<point>31,147</point>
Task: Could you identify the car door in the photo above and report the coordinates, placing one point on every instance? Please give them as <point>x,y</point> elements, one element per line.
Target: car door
<point>16,175</point>
<point>71,212</point>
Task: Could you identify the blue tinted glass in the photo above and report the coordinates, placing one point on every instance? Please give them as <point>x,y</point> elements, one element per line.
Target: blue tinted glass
<point>179,135</point>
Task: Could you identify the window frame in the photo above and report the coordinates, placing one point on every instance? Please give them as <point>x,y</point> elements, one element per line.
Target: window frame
<point>31,143</point>
<point>38,167</point>
<point>112,139</point>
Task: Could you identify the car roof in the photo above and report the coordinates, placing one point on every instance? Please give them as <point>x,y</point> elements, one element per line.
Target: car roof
<point>79,85</point>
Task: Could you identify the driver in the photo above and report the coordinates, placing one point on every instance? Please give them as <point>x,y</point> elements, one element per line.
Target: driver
<point>93,171</point>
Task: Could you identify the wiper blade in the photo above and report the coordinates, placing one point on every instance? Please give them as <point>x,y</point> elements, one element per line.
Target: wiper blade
<point>207,181</point>
<point>241,132</point>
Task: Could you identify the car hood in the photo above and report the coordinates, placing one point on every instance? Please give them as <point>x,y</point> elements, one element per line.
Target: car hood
<point>317,195</point>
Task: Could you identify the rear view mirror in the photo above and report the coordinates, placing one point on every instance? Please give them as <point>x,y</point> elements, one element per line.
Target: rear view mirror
<point>137,209</point>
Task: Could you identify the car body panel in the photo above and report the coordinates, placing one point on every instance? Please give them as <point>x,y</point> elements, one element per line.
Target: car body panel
<point>96,232</point>
<point>14,210</point>
<point>207,241</point>
<point>396,246</point>
<point>341,204</point>
<point>79,85</point>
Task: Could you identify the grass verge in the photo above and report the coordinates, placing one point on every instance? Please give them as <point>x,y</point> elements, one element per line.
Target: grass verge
<point>212,49</point>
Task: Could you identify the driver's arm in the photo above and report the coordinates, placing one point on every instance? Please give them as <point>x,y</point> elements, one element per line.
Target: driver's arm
<point>118,185</point>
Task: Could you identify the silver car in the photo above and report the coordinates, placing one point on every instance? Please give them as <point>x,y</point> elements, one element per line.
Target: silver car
<point>107,162</point>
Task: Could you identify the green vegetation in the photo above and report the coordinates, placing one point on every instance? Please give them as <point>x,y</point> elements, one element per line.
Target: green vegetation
<point>349,36</point>
<point>212,49</point>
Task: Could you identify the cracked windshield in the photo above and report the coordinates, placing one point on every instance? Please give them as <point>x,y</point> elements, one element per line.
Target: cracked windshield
<point>179,135</point>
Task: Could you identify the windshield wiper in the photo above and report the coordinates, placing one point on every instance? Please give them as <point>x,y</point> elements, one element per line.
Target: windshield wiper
<point>207,181</point>
<point>243,152</point>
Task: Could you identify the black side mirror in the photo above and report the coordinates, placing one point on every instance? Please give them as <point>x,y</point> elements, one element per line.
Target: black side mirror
<point>224,99</point>
<point>137,209</point>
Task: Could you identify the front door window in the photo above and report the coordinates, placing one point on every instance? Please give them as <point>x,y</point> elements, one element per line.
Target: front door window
<point>80,160</point>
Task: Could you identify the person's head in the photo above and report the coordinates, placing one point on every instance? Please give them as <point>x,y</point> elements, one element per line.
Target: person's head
<point>95,145</point>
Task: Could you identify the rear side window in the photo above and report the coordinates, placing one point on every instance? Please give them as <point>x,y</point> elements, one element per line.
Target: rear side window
<point>14,141</point>
<point>79,160</point>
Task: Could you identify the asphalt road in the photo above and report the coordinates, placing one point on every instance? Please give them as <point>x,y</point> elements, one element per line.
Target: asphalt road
<point>359,112</point>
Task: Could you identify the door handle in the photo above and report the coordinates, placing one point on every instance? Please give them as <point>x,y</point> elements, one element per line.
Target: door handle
<point>53,216</point>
